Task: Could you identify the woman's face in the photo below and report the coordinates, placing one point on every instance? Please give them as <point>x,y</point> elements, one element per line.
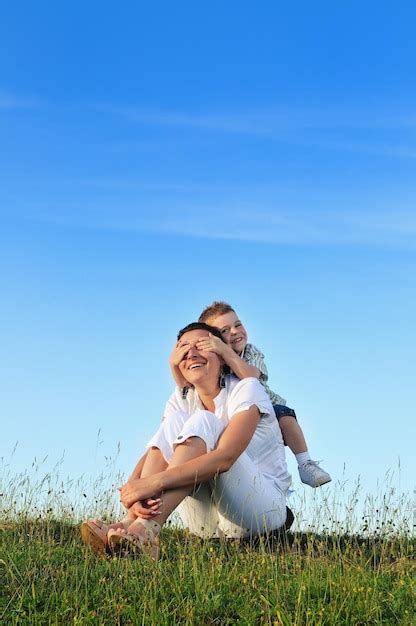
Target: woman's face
<point>197,366</point>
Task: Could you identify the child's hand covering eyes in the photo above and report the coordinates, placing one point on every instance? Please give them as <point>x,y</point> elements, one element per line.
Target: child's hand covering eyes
<point>212,344</point>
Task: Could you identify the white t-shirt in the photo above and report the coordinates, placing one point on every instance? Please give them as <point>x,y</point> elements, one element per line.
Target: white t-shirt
<point>266,447</point>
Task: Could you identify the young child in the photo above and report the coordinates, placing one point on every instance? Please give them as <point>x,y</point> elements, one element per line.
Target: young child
<point>245,360</point>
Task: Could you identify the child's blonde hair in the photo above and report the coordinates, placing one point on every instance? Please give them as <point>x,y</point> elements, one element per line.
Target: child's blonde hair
<point>215,309</point>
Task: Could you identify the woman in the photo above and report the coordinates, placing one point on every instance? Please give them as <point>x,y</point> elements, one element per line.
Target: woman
<point>218,453</point>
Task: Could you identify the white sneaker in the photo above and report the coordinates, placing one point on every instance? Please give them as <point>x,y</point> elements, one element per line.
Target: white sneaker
<point>311,474</point>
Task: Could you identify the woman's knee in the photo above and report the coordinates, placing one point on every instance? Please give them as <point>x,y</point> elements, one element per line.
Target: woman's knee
<point>202,425</point>
<point>194,443</point>
<point>173,424</point>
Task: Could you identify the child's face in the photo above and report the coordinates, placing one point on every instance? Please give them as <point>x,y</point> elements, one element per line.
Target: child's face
<point>231,329</point>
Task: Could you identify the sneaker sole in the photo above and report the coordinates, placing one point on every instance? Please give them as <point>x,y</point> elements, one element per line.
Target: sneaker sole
<point>324,483</point>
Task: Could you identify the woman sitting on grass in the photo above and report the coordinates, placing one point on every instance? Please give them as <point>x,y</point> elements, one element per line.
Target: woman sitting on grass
<point>218,453</point>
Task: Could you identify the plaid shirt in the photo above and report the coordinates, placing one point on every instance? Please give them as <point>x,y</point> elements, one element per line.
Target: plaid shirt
<point>253,356</point>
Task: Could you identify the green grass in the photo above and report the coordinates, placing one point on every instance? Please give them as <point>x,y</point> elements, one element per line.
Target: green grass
<point>350,560</point>
<point>48,577</point>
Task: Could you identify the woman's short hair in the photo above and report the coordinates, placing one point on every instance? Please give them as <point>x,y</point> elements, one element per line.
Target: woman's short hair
<point>201,326</point>
<point>214,310</point>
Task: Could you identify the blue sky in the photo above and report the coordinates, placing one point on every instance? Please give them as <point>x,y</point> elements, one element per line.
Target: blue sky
<point>156,158</point>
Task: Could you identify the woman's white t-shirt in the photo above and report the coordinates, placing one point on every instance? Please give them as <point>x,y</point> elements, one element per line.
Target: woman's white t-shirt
<point>266,448</point>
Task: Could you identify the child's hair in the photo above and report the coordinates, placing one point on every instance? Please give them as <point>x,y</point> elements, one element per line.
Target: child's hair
<point>201,326</point>
<point>215,309</point>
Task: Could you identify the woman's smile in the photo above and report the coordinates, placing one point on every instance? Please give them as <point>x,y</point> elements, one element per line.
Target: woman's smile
<point>198,365</point>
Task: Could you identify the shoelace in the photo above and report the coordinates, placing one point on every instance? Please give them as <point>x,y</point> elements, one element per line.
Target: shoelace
<point>313,466</point>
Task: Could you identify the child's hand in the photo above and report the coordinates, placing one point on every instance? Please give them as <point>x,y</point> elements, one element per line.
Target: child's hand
<point>212,344</point>
<point>178,353</point>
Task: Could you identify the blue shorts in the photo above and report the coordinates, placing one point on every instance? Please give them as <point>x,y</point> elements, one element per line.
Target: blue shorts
<point>280,410</point>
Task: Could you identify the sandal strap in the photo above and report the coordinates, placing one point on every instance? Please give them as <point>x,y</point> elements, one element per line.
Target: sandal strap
<point>128,519</point>
<point>98,524</point>
<point>151,526</point>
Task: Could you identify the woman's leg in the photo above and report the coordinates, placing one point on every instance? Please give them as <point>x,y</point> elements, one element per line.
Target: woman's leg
<point>180,438</point>
<point>160,449</point>
<point>144,533</point>
<point>236,504</point>
<point>189,449</point>
<point>248,499</point>
<point>199,513</point>
<point>249,502</point>
<point>155,462</point>
<point>177,446</point>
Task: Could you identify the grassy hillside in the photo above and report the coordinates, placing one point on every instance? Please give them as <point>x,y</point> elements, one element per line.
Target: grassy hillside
<point>350,560</point>
<point>48,577</point>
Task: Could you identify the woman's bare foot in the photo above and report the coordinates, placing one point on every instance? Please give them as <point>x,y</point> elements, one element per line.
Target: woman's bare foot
<point>94,532</point>
<point>142,535</point>
<point>123,524</point>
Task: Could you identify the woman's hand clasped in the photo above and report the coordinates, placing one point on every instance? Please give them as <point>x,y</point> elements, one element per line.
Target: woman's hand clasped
<point>147,509</point>
<point>143,492</point>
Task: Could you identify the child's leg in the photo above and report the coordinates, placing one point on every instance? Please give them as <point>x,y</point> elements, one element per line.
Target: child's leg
<point>310,472</point>
<point>292,434</point>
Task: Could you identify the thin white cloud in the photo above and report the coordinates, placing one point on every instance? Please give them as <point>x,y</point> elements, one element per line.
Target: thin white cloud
<point>372,228</point>
<point>327,128</point>
<point>245,123</point>
<point>334,130</point>
<point>376,148</point>
<point>267,122</point>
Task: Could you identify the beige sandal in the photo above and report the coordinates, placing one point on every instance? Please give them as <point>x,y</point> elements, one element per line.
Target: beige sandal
<point>94,533</point>
<point>133,541</point>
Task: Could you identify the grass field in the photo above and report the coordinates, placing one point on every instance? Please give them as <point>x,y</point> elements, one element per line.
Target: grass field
<point>328,576</point>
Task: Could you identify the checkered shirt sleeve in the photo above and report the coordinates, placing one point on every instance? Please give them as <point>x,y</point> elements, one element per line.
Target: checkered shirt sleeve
<point>253,356</point>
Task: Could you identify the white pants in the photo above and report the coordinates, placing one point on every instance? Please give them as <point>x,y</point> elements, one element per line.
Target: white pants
<point>237,503</point>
